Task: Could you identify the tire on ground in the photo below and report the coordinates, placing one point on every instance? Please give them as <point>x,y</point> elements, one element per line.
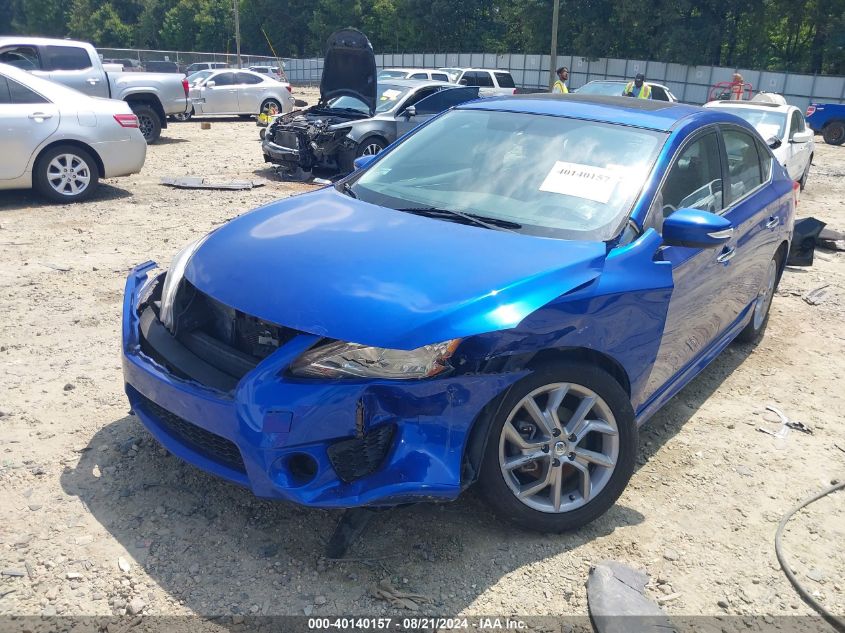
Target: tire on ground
<point>834,133</point>
<point>148,121</point>
<point>40,175</point>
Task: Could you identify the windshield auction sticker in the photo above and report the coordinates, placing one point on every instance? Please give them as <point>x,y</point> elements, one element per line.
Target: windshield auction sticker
<point>581,181</point>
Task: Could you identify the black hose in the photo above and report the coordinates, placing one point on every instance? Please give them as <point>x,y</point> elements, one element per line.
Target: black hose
<point>835,622</point>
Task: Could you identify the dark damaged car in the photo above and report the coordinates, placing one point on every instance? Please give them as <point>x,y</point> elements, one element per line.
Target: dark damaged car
<point>356,115</point>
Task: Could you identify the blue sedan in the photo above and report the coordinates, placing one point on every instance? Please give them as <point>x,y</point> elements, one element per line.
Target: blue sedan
<point>503,296</point>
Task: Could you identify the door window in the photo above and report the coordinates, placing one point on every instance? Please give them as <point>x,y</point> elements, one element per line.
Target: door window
<point>224,79</point>
<point>246,78</point>
<point>477,78</point>
<point>13,92</point>
<point>65,58</point>
<point>796,123</point>
<point>23,57</point>
<point>440,77</point>
<point>445,99</point>
<point>659,93</point>
<point>694,181</point>
<point>505,80</point>
<point>419,76</point>
<point>743,163</point>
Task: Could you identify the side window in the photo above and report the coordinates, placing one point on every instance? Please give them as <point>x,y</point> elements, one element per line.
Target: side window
<point>796,123</point>
<point>23,57</point>
<point>765,160</point>
<point>66,58</point>
<point>23,95</point>
<point>432,104</point>
<point>446,99</point>
<point>419,76</point>
<point>659,93</point>
<point>743,163</point>
<point>246,78</point>
<point>419,96</point>
<point>505,80</point>
<point>694,181</point>
<point>439,77</point>
<point>485,80</point>
<point>5,97</point>
<point>224,79</point>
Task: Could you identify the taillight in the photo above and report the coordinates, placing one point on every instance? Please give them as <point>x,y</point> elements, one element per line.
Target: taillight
<point>186,87</point>
<point>796,192</point>
<point>514,91</point>
<point>290,89</point>
<point>126,120</point>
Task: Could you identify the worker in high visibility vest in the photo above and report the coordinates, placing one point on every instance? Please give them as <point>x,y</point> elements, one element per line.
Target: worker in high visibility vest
<point>638,88</point>
<point>559,86</point>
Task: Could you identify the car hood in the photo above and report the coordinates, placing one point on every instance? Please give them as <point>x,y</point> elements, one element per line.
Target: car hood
<point>349,68</point>
<point>333,266</point>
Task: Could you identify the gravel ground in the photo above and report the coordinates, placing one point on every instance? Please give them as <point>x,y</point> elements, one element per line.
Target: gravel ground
<point>98,520</point>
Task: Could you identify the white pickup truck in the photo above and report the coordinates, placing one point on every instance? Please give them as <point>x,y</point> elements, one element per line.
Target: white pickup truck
<point>152,96</point>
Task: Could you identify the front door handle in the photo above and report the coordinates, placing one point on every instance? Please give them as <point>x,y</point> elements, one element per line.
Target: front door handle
<point>772,223</point>
<point>93,80</point>
<point>726,255</point>
<point>40,116</point>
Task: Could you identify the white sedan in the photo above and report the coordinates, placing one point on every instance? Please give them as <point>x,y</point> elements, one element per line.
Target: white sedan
<point>242,92</point>
<point>60,141</point>
<point>784,130</point>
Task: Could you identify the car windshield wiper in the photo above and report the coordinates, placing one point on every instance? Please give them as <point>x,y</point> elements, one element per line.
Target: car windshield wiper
<point>478,220</point>
<point>347,189</point>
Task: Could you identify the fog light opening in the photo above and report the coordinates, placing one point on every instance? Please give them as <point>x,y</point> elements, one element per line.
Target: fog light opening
<point>302,468</point>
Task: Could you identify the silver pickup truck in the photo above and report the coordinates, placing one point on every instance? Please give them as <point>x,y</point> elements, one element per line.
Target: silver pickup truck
<point>152,96</point>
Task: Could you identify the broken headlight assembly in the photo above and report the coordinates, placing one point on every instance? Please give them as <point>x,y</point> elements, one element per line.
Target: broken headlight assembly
<point>172,280</point>
<point>350,360</point>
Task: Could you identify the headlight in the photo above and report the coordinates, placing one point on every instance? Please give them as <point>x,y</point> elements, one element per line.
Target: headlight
<point>350,360</point>
<point>173,279</point>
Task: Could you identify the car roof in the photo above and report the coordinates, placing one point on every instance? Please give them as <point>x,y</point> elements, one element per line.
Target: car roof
<point>491,70</point>
<point>416,83</point>
<point>663,116</point>
<point>624,82</point>
<point>751,105</point>
<point>39,41</point>
<point>415,70</point>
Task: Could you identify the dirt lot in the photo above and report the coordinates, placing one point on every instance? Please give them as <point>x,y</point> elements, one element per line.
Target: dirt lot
<point>86,490</point>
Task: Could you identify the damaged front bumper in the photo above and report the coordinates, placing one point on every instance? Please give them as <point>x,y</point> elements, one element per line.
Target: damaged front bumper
<point>330,444</point>
<point>308,146</point>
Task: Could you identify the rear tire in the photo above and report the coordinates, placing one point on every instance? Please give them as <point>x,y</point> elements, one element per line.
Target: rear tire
<point>591,453</point>
<point>834,133</point>
<point>148,122</point>
<point>66,173</point>
<point>267,102</point>
<point>753,332</point>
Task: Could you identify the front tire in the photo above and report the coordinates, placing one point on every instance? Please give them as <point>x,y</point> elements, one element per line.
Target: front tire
<point>148,122</point>
<point>370,147</point>
<point>66,173</point>
<point>561,449</point>
<point>834,133</point>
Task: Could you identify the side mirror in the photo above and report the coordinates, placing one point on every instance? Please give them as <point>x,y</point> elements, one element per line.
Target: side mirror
<point>299,103</point>
<point>694,228</point>
<point>410,111</point>
<point>363,161</point>
<point>464,82</point>
<point>802,137</point>
<point>210,84</point>
<point>774,142</point>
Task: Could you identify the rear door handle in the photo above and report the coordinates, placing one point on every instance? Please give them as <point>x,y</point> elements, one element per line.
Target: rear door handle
<point>772,223</point>
<point>726,255</point>
<point>40,116</point>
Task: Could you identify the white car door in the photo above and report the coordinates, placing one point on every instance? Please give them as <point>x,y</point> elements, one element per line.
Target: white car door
<point>26,120</point>
<point>799,152</point>
<point>251,89</point>
<point>222,96</point>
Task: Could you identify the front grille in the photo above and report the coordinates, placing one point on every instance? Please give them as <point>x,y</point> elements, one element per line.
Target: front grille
<point>206,443</point>
<point>358,457</point>
<point>286,139</point>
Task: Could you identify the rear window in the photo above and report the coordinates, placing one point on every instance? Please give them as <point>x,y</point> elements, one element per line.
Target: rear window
<point>65,58</point>
<point>505,80</point>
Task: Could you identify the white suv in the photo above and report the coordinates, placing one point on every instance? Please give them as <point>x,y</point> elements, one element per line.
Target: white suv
<point>490,82</point>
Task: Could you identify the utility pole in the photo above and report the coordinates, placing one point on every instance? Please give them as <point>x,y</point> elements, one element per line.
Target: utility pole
<point>238,34</point>
<point>553,66</point>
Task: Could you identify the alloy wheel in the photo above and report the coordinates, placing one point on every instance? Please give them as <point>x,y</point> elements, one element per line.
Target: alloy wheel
<point>68,174</point>
<point>558,447</point>
<point>764,296</point>
<point>372,149</point>
<point>146,125</point>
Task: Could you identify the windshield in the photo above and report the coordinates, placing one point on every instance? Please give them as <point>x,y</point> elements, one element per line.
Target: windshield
<point>198,76</point>
<point>392,74</point>
<point>607,88</point>
<point>546,175</point>
<point>766,122</point>
<point>387,96</point>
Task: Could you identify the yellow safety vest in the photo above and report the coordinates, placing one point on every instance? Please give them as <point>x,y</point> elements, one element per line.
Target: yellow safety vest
<point>645,91</point>
<point>560,87</point>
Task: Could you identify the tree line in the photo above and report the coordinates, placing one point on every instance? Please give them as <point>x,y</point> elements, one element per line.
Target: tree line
<point>791,35</point>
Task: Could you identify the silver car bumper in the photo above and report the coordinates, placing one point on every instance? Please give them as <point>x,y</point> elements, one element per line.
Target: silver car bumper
<point>124,157</point>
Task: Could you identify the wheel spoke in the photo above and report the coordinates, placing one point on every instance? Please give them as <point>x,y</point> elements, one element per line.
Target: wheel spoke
<point>555,400</point>
<point>578,419</point>
<point>599,426</point>
<point>524,460</point>
<point>557,484</point>
<point>586,484</point>
<point>513,436</point>
<point>536,487</point>
<point>593,457</point>
<point>538,415</point>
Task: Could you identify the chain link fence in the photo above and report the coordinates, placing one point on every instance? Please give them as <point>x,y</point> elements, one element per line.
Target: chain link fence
<point>186,58</point>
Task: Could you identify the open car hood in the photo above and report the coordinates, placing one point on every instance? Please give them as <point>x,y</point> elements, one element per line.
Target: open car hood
<point>349,68</point>
<point>333,266</point>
